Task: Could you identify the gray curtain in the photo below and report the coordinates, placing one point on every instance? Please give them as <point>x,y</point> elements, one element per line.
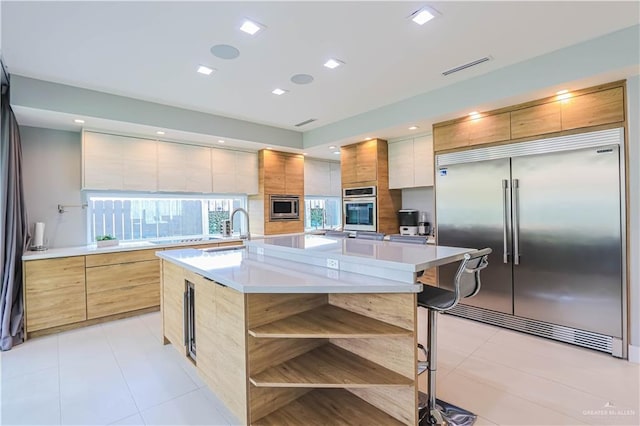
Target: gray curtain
<point>14,230</point>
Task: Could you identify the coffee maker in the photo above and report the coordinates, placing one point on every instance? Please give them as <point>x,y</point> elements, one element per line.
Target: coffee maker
<point>424,227</point>
<point>408,220</point>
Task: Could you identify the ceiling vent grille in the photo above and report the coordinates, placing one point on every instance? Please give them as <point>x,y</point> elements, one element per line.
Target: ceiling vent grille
<point>304,123</point>
<point>465,66</point>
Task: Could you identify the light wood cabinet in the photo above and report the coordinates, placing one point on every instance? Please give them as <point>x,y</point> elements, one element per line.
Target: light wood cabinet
<point>536,120</point>
<point>321,178</point>
<point>172,306</point>
<point>122,282</point>
<point>234,172</point>
<point>411,163</point>
<point>359,163</point>
<point>184,168</point>
<point>266,355</point>
<point>274,172</point>
<point>294,174</point>
<point>118,162</point>
<point>593,109</point>
<point>490,128</point>
<point>54,292</point>
<point>587,108</point>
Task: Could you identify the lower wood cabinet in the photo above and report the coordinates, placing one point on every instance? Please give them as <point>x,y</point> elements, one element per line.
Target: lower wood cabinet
<point>54,292</point>
<point>282,358</point>
<point>124,287</point>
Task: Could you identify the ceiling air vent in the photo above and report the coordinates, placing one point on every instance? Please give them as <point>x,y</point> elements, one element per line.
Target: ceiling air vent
<point>465,66</point>
<point>304,123</point>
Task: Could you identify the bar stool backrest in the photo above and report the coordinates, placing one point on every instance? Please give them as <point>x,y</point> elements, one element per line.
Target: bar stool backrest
<point>466,282</point>
<point>370,235</point>
<point>411,239</point>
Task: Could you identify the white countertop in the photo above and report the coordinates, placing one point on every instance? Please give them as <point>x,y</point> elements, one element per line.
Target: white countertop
<point>386,259</point>
<point>255,269</point>
<point>251,273</point>
<point>123,246</point>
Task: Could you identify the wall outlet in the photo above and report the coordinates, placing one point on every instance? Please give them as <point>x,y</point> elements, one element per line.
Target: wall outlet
<point>333,263</point>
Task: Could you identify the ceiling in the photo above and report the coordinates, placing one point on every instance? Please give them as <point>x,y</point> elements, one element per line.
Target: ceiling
<point>150,50</point>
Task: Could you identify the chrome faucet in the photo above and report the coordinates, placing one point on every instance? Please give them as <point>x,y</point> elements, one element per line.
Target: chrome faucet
<point>233,213</point>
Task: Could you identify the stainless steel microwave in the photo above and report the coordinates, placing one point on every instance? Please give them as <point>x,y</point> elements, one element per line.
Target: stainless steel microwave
<point>284,207</point>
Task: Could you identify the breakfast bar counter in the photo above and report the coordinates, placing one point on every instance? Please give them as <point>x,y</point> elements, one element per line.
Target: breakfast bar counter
<point>290,331</point>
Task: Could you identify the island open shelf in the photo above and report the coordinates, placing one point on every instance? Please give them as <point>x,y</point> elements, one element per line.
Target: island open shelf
<point>328,366</point>
<point>328,407</point>
<point>328,321</point>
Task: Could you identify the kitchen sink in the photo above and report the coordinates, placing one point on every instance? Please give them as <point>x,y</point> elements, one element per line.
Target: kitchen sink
<point>188,240</point>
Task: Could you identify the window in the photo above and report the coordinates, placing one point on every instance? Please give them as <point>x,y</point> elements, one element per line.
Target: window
<point>132,217</point>
<point>322,213</point>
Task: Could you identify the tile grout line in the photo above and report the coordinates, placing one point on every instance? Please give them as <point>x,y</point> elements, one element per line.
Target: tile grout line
<point>123,378</point>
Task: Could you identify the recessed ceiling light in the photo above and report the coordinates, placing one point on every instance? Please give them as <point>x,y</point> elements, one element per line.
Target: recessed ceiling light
<point>336,152</point>
<point>220,141</point>
<point>205,70</point>
<point>474,115</point>
<point>562,92</point>
<point>250,27</point>
<point>77,120</point>
<point>332,147</point>
<point>279,91</point>
<point>305,153</point>
<point>413,127</point>
<point>367,139</point>
<point>160,132</point>
<point>269,147</point>
<point>424,15</point>
<point>333,63</point>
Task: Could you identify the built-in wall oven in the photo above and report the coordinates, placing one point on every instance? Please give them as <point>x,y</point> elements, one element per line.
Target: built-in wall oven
<point>359,208</point>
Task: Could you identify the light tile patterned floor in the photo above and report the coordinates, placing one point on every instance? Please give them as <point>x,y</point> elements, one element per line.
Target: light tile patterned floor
<point>120,373</point>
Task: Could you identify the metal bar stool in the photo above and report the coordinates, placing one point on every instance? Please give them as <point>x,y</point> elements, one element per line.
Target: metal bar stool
<point>365,235</point>
<point>436,299</point>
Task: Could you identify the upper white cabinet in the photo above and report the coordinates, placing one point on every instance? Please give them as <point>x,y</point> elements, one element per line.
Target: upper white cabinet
<point>184,168</point>
<point>234,172</point>
<point>411,163</point>
<point>321,178</point>
<point>118,163</point>
<point>122,163</point>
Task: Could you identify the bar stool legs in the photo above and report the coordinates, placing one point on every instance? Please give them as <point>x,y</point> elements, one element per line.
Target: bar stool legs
<point>433,411</point>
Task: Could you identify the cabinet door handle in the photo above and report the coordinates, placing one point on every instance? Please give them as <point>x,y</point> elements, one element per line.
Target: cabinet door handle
<point>505,221</point>
<point>516,223</point>
<point>185,314</point>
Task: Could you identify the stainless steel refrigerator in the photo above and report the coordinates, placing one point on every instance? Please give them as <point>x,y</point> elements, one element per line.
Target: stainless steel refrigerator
<point>552,211</point>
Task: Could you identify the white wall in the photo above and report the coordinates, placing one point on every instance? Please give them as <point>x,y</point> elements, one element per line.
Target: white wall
<point>51,176</point>
<point>419,199</point>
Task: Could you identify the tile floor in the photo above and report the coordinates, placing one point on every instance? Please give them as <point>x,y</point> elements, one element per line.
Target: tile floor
<point>119,373</point>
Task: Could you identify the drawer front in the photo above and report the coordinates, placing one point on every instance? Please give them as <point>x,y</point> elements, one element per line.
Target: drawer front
<point>54,292</point>
<point>53,274</point>
<point>121,257</point>
<point>120,300</point>
<point>112,277</point>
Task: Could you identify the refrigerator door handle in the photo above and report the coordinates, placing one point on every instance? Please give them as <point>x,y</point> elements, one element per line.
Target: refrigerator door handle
<point>505,221</point>
<point>516,223</point>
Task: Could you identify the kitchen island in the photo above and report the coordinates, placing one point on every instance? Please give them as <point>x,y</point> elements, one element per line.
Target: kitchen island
<point>302,329</point>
